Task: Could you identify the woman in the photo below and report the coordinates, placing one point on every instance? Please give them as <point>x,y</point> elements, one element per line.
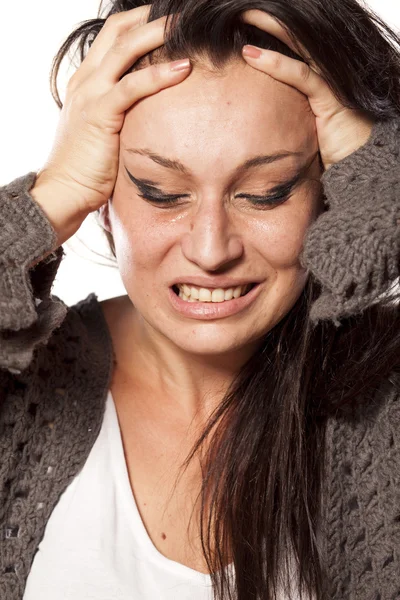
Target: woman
<point>232,420</point>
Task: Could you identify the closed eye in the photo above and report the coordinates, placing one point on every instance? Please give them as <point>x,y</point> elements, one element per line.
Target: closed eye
<point>277,195</point>
<point>256,200</point>
<point>160,199</point>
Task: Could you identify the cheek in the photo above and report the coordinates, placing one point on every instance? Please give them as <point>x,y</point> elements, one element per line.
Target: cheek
<point>141,240</point>
<point>281,236</point>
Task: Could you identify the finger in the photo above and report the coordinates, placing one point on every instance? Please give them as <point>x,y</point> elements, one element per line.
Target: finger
<point>271,25</point>
<point>139,84</point>
<point>115,24</point>
<point>128,48</point>
<point>300,76</point>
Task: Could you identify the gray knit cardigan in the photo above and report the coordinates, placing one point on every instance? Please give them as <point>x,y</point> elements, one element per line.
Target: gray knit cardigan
<point>56,364</point>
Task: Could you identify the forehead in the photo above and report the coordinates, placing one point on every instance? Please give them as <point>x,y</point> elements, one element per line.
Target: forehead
<point>221,119</point>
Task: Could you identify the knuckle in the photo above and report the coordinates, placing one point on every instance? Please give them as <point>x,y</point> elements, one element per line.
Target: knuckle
<point>304,72</point>
<point>77,102</point>
<point>126,83</point>
<point>113,20</point>
<point>143,19</point>
<point>119,44</point>
<point>155,73</point>
<point>276,62</point>
<point>94,118</point>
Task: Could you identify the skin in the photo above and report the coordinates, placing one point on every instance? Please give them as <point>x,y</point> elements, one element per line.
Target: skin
<point>191,362</point>
<point>172,371</point>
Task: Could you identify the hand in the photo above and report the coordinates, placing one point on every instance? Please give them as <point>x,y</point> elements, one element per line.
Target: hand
<point>85,156</point>
<point>340,130</point>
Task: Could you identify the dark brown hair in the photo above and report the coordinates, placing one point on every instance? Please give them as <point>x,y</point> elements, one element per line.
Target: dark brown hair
<point>263,472</point>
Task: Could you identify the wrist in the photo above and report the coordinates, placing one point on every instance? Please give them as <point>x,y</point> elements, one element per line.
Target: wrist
<point>57,201</point>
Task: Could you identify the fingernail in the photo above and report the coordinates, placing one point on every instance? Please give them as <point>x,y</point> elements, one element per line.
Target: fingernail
<point>180,65</point>
<point>252,51</point>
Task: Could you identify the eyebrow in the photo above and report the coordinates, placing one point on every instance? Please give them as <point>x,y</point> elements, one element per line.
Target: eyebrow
<point>145,186</point>
<point>176,165</point>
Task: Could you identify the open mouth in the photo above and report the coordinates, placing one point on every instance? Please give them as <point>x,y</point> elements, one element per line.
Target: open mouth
<point>217,295</point>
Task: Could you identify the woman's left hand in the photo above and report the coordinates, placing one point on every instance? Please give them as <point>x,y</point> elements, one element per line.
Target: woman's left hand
<point>340,130</point>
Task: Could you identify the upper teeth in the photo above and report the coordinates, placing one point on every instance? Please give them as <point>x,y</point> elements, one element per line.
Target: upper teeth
<point>195,294</point>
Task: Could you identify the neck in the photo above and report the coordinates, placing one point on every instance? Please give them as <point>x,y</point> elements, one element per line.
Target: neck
<point>168,380</point>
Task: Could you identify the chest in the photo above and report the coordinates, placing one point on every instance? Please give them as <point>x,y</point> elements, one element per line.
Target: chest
<point>167,498</point>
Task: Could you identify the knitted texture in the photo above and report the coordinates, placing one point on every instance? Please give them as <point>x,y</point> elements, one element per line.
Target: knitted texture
<point>56,365</point>
<point>50,417</point>
<point>26,235</point>
<point>353,249</point>
<point>362,512</point>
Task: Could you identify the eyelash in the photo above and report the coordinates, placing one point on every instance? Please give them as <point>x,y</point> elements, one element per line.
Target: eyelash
<point>273,200</point>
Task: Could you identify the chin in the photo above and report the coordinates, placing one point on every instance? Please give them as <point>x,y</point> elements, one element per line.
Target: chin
<point>214,340</point>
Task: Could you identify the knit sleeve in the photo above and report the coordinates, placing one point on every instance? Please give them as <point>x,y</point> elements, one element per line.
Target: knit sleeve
<point>28,312</point>
<point>353,249</point>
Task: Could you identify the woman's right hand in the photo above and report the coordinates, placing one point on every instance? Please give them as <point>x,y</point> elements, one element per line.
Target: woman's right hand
<point>80,173</point>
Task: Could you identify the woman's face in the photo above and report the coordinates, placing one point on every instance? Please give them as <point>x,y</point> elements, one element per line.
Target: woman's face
<point>193,140</point>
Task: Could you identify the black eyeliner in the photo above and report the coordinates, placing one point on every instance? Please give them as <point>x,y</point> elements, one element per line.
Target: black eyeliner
<point>145,186</point>
<point>280,190</point>
<point>150,190</point>
<point>284,189</point>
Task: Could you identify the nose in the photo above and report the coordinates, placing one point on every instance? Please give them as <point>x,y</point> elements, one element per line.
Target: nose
<point>212,242</point>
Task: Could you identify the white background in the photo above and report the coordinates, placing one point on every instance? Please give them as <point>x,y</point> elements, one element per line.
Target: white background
<point>30,35</point>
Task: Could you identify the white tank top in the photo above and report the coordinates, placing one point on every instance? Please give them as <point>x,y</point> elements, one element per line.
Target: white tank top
<point>95,545</point>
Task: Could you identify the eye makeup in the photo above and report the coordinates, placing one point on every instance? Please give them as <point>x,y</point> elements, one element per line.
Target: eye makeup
<point>277,195</point>
<point>150,192</point>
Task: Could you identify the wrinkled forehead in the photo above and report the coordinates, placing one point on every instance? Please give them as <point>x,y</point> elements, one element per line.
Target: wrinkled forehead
<point>222,118</point>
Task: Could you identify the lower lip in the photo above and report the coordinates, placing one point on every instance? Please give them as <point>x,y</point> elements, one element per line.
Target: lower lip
<point>213,310</point>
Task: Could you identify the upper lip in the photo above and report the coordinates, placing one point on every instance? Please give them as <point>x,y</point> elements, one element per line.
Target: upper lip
<point>214,282</point>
